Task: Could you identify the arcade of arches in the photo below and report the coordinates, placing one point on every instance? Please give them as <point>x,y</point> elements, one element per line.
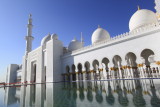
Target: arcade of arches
<point>115,69</point>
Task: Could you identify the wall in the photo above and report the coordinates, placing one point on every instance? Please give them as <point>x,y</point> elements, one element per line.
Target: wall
<point>35,57</point>
<point>135,43</point>
<point>12,73</point>
<point>54,49</point>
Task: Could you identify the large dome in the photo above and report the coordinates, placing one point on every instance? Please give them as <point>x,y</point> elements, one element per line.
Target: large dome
<point>74,45</point>
<point>141,18</point>
<point>54,36</point>
<point>100,34</point>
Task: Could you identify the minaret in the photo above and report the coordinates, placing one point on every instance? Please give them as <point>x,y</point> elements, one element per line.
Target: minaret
<point>138,7</point>
<point>29,36</point>
<point>82,40</point>
<point>157,6</point>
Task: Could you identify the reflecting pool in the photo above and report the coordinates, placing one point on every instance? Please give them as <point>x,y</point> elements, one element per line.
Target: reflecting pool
<point>117,93</point>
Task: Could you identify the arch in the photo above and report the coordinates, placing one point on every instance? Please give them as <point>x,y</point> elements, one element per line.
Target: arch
<point>105,62</point>
<point>80,74</point>
<point>79,66</point>
<point>96,69</point>
<point>95,65</point>
<point>73,68</point>
<point>73,72</point>
<point>67,69</point>
<point>34,72</point>
<point>131,59</point>
<point>146,53</point>
<point>87,66</point>
<point>117,60</point>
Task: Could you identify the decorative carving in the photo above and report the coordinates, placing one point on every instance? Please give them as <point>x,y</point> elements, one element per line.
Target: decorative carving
<point>100,70</point>
<point>140,65</point>
<point>158,62</point>
<point>83,72</point>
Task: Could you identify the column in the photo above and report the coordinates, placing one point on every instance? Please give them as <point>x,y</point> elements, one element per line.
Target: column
<point>140,61</point>
<point>100,72</point>
<point>110,65</point>
<point>71,77</point>
<point>84,75</point>
<point>92,73</point>
<point>140,70</point>
<point>143,74</point>
<point>119,70</point>
<point>158,68</point>
<point>156,72</point>
<point>80,76</point>
<point>124,70</point>
<point>144,71</point>
<point>129,71</point>
<point>77,76</point>
<point>76,73</point>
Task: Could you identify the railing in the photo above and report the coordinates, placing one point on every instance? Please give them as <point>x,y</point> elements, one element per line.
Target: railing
<point>2,83</point>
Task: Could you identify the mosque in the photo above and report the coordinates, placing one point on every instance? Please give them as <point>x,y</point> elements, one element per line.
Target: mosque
<point>134,54</point>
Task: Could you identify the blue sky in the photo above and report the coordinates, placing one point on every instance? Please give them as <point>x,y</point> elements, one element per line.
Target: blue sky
<point>67,18</point>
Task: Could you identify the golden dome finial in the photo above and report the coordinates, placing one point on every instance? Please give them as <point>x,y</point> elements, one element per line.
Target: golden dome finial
<point>138,7</point>
<point>30,15</point>
<point>158,15</point>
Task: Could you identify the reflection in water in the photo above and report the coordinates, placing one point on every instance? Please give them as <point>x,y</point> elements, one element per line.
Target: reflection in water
<point>110,98</point>
<point>138,99</point>
<point>117,93</point>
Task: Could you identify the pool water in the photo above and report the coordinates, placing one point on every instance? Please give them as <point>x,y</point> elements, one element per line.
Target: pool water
<point>116,93</point>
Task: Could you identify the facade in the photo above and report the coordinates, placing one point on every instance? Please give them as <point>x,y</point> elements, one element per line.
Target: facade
<point>134,54</point>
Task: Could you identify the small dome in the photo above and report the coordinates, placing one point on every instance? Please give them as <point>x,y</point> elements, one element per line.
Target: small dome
<point>54,36</point>
<point>100,34</point>
<point>45,39</point>
<point>141,18</point>
<point>74,45</point>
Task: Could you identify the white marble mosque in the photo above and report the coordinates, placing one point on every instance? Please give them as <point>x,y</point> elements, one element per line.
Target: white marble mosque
<point>134,54</point>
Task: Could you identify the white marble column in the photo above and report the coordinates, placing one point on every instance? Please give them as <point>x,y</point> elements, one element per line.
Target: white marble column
<point>140,71</point>
<point>81,76</point>
<point>110,75</point>
<point>84,75</point>
<point>92,73</point>
<point>119,70</point>
<point>125,72</point>
<point>71,77</point>
<point>77,76</point>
